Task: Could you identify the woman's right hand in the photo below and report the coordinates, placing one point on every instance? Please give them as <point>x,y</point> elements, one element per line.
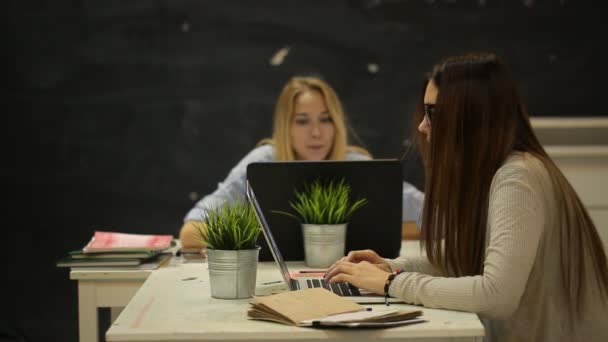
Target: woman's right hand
<point>191,237</point>
<point>363,255</point>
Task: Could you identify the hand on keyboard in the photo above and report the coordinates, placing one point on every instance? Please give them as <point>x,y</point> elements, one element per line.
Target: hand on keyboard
<point>340,288</point>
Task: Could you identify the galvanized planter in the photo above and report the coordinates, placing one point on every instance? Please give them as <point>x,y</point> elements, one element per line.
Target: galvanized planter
<point>323,243</point>
<point>232,274</point>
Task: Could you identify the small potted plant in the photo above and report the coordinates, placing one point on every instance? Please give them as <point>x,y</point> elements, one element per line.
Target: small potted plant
<point>324,209</point>
<point>230,232</point>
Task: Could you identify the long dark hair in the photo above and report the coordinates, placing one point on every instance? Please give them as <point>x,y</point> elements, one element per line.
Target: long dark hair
<point>479,120</point>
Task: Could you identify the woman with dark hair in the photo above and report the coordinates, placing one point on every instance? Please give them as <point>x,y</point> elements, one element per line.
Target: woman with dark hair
<point>505,234</point>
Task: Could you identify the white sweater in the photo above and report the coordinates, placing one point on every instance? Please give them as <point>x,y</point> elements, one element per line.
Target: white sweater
<point>518,295</point>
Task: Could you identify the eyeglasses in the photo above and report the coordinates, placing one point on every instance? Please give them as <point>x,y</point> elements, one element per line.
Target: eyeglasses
<point>429,111</point>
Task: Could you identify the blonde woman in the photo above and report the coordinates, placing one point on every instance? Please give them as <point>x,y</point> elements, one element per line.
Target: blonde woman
<point>309,124</point>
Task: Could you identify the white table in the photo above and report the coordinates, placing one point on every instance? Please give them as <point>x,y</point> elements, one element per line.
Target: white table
<point>103,289</point>
<point>174,304</point>
<point>111,288</point>
<point>106,288</point>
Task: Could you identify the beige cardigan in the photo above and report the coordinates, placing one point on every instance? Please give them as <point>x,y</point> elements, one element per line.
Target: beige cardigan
<point>518,295</point>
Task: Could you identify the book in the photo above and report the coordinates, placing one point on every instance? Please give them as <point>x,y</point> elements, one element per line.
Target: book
<point>122,242</point>
<point>114,264</point>
<point>69,261</point>
<point>79,254</point>
<point>318,307</point>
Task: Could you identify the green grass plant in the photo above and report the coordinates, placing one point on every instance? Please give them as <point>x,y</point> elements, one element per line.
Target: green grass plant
<point>232,226</point>
<point>324,203</point>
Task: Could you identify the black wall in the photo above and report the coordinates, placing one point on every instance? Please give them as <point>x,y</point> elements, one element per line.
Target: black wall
<point>121,113</point>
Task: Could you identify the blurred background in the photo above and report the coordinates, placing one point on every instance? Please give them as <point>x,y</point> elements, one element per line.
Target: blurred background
<point>122,113</point>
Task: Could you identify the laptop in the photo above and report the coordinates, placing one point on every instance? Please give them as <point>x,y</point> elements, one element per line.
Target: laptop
<point>343,289</point>
<point>376,225</point>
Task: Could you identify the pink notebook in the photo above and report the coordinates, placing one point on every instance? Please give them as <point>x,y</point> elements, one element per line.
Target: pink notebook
<point>115,242</point>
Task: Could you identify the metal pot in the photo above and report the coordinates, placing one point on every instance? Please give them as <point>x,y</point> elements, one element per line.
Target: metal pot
<point>232,274</point>
<point>323,243</point>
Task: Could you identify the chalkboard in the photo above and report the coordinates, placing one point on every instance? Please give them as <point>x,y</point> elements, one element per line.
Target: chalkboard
<point>126,112</point>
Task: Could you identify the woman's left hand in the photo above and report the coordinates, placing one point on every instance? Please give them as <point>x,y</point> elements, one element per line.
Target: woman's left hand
<point>362,275</point>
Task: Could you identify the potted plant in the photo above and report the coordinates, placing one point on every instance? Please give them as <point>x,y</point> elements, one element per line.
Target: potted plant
<point>324,209</point>
<point>230,232</point>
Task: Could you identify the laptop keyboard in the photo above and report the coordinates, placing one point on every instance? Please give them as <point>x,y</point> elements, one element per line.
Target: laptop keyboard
<point>341,289</point>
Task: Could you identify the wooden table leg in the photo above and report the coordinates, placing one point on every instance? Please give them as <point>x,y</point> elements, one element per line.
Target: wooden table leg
<point>88,324</point>
<point>114,312</point>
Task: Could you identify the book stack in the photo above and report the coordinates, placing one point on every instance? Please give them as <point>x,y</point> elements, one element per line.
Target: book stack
<point>112,249</point>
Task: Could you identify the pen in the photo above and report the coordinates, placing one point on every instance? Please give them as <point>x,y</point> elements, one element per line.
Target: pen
<point>272,282</point>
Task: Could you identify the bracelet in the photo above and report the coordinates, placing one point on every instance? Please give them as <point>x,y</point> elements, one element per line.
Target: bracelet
<point>388,281</point>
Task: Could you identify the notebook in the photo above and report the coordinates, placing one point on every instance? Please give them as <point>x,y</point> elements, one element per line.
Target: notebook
<point>314,280</point>
<point>376,225</point>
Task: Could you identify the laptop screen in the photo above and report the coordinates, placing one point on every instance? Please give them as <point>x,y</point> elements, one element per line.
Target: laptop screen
<point>376,225</point>
<point>274,249</point>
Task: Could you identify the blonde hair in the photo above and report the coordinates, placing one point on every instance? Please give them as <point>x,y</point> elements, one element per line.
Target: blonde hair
<point>284,112</point>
